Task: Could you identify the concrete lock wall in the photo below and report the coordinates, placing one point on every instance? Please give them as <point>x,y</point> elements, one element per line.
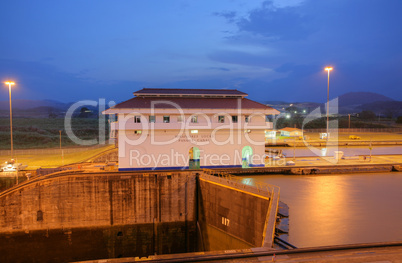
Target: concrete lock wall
<point>72,217</point>
<point>146,209</point>
<point>230,216</point>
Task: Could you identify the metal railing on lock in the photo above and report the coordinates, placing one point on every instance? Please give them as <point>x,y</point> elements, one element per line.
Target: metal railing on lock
<point>240,182</point>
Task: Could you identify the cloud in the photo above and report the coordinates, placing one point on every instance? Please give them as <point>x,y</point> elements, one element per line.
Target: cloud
<point>38,80</point>
<point>219,68</point>
<point>239,58</point>
<point>286,23</point>
<point>230,16</point>
<point>301,39</point>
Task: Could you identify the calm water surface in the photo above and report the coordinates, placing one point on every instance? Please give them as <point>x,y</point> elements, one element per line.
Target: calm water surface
<point>341,209</point>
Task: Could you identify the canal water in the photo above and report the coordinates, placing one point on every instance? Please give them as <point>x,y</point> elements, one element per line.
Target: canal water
<point>347,150</point>
<point>340,209</point>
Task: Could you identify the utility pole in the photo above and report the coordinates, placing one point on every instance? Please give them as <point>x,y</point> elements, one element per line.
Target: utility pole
<point>61,151</point>
<point>371,148</point>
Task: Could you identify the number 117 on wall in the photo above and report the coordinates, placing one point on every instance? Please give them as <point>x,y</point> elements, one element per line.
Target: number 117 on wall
<point>225,221</point>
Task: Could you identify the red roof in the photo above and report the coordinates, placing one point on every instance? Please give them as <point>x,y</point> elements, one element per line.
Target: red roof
<point>221,92</point>
<point>190,103</point>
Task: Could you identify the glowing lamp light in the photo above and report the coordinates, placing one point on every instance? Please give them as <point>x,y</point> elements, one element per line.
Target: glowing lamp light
<point>9,83</point>
<point>328,68</point>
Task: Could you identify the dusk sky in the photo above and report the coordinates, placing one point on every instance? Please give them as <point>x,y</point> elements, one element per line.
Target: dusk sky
<point>272,50</point>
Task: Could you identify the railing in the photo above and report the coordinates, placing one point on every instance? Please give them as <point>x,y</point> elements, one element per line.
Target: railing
<point>356,130</point>
<point>238,181</point>
<point>50,150</point>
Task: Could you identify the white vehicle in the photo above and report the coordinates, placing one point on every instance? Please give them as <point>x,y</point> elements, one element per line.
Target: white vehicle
<point>12,167</point>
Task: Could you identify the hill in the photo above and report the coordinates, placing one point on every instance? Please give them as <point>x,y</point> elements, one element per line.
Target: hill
<point>384,108</point>
<point>29,104</point>
<point>359,98</point>
<point>42,109</point>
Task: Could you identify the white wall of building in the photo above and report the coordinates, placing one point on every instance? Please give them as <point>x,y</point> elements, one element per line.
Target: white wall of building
<point>170,149</point>
<point>160,145</point>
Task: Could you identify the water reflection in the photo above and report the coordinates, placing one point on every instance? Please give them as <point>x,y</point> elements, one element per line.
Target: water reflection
<point>348,151</point>
<point>341,209</point>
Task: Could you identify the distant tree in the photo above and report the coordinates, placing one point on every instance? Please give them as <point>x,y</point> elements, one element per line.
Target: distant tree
<point>84,113</point>
<point>367,115</point>
<point>390,113</point>
<point>280,123</point>
<point>52,115</point>
<point>319,123</point>
<point>399,120</point>
<point>292,109</point>
<point>294,121</point>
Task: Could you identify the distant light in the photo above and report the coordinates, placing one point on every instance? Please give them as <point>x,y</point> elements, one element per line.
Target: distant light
<point>328,68</point>
<point>287,116</point>
<point>304,111</point>
<point>291,105</point>
<point>9,83</point>
<point>295,111</point>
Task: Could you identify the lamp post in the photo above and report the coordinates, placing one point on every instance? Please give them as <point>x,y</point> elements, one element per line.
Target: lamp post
<point>328,69</point>
<point>9,83</point>
<point>61,151</point>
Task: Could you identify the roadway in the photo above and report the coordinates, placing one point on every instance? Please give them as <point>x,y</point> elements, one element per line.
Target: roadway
<point>376,252</point>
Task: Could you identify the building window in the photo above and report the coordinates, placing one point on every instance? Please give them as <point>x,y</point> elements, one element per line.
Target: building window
<point>234,119</point>
<point>194,131</point>
<point>180,118</point>
<point>194,119</point>
<point>166,119</point>
<point>267,118</point>
<point>221,119</point>
<point>151,118</point>
<point>137,119</point>
<point>246,118</point>
<point>138,132</point>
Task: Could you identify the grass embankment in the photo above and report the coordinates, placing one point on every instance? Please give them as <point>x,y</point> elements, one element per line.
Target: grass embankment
<point>29,133</point>
<point>46,160</point>
<point>44,133</point>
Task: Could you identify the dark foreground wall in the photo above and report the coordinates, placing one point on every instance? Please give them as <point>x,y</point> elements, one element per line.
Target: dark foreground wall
<point>98,216</point>
<point>77,244</point>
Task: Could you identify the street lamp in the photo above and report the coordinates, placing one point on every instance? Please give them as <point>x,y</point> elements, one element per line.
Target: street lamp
<point>9,83</point>
<point>328,69</point>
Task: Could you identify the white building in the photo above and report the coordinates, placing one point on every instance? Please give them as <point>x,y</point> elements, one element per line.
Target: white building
<point>190,128</point>
<point>291,132</point>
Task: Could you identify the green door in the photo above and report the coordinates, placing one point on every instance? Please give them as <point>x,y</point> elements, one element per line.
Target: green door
<point>194,158</point>
<point>247,152</point>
